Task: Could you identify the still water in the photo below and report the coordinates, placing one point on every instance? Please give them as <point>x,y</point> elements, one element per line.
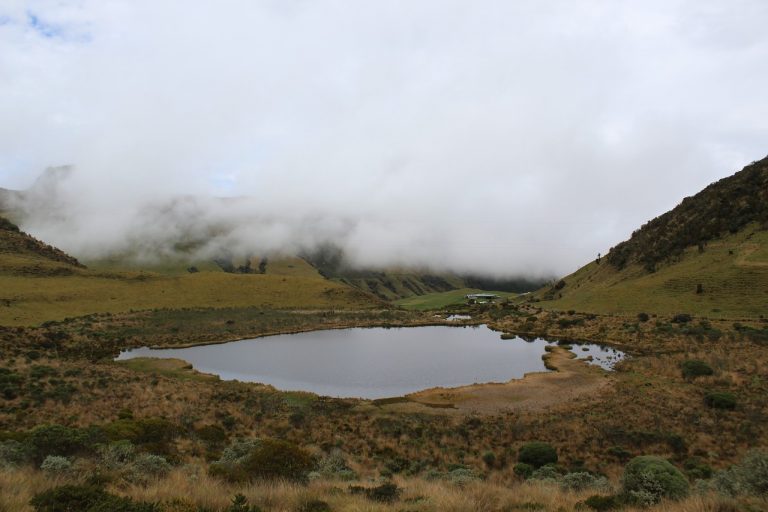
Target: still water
<point>374,362</point>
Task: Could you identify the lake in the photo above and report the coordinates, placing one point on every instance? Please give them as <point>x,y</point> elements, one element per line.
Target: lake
<point>375,362</point>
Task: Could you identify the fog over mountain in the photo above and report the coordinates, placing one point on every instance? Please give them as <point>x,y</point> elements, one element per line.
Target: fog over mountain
<point>492,136</point>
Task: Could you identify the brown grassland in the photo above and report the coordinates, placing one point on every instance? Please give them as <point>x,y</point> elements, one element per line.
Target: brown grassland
<point>455,450</point>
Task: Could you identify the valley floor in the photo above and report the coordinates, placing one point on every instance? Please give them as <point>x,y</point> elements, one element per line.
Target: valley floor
<point>62,373</point>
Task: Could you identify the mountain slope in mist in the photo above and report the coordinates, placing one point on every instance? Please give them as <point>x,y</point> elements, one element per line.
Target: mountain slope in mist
<point>171,235</point>
<point>39,283</point>
<point>707,256</point>
<point>400,283</point>
<point>20,252</point>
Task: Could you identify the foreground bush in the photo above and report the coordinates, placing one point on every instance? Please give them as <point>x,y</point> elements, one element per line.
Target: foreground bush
<point>748,478</point>
<point>84,498</point>
<point>266,459</point>
<point>648,479</point>
<point>537,454</point>
<point>603,503</point>
<point>59,440</point>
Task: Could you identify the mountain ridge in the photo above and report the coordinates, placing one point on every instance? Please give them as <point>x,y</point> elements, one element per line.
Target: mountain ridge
<point>708,256</point>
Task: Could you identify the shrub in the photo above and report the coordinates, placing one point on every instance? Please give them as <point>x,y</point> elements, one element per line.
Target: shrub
<point>13,454</point>
<point>720,400</point>
<point>117,455</point>
<point>68,498</point>
<point>334,466</point>
<point>145,431</point>
<point>697,469</point>
<point>276,459</point>
<point>314,505</point>
<point>489,458</point>
<point>620,453</point>
<point>462,476</point>
<point>677,443</point>
<point>85,498</point>
<point>582,480</point>
<point>643,317</point>
<point>603,503</point>
<point>238,451</point>
<point>147,467</point>
<point>56,465</point>
<point>47,440</point>
<point>384,493</point>
<point>548,472</point>
<point>523,470</point>
<point>648,479</point>
<point>263,459</point>
<point>693,368</point>
<point>212,435</point>
<point>537,454</point>
<point>681,318</point>
<point>240,504</point>
<point>748,478</point>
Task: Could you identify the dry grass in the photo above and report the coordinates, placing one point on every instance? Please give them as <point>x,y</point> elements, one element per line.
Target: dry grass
<point>733,272</point>
<point>192,486</point>
<point>28,301</point>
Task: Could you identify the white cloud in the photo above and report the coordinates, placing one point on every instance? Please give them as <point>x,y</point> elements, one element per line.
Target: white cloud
<point>500,136</point>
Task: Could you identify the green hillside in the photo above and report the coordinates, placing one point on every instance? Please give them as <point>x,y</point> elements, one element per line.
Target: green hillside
<point>708,256</point>
<point>40,283</point>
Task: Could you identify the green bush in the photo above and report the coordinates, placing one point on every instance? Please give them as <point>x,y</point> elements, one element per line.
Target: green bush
<point>85,498</point>
<point>693,368</point>
<point>116,455</point>
<point>648,479</point>
<point>603,503</point>
<point>697,469</point>
<point>68,498</point>
<point>548,472</point>
<point>314,505</point>
<point>56,465</point>
<point>46,440</point>
<point>13,454</point>
<point>537,454</point>
<point>523,470</point>
<point>333,466</point>
<point>387,492</point>
<point>462,476</point>
<point>240,504</point>
<point>748,478</point>
<point>147,467</point>
<point>583,480</point>
<point>720,400</point>
<point>263,459</point>
<point>643,317</point>
<point>489,458</point>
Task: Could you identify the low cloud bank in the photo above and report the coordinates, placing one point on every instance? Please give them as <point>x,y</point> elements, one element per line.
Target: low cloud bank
<point>508,138</point>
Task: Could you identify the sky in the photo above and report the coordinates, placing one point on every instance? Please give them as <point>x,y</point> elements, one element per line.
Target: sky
<point>493,136</point>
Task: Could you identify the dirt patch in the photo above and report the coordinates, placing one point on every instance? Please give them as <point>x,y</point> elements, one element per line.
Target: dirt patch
<point>572,379</point>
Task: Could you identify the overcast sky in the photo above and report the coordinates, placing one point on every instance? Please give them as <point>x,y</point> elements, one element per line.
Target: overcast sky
<point>500,136</point>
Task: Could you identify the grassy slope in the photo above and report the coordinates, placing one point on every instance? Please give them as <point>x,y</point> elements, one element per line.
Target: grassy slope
<point>394,284</point>
<point>28,301</point>
<point>40,283</point>
<point>734,285</point>
<point>439,300</point>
